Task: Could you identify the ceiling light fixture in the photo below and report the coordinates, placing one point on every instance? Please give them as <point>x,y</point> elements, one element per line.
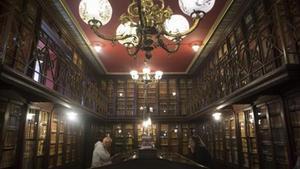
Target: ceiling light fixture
<point>195,47</point>
<point>147,24</point>
<point>146,76</point>
<point>217,116</point>
<point>98,48</point>
<point>72,116</point>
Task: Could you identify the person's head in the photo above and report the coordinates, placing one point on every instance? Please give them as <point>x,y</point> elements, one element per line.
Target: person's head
<point>107,142</point>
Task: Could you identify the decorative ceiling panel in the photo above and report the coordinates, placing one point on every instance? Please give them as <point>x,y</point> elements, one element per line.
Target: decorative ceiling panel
<point>114,57</point>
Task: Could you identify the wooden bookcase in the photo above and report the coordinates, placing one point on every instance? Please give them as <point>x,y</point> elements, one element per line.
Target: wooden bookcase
<point>129,137</point>
<point>249,152</point>
<point>293,110</point>
<point>35,139</point>
<point>121,98</point>
<point>124,137</point>
<point>130,98</point>
<point>185,139</point>
<point>164,137</point>
<point>219,141</point>
<point>152,99</point>
<point>174,138</point>
<point>163,97</point>
<point>168,97</point>
<point>272,135</point>
<point>119,138</point>
<point>11,115</point>
<point>110,97</point>
<point>231,147</point>
<point>140,99</point>
<point>172,97</point>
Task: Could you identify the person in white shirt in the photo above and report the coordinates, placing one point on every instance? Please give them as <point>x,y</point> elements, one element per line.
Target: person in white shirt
<point>101,156</point>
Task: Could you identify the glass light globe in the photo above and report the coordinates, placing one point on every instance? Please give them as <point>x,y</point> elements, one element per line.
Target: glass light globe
<point>146,70</point>
<point>95,9</point>
<point>176,24</point>
<point>217,116</point>
<point>195,47</point>
<point>189,6</point>
<point>158,75</point>
<point>128,29</point>
<point>134,74</point>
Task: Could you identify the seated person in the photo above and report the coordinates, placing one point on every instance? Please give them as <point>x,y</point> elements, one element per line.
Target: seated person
<point>101,155</point>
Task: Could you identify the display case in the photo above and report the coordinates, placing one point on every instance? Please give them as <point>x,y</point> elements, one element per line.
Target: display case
<point>151,131</point>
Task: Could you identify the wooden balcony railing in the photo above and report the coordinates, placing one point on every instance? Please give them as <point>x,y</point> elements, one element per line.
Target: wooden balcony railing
<point>30,47</point>
<point>264,40</point>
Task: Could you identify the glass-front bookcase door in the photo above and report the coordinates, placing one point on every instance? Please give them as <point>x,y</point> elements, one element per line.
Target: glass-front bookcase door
<point>35,139</point>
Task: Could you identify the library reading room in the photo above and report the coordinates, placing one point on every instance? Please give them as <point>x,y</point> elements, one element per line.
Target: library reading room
<point>149,84</point>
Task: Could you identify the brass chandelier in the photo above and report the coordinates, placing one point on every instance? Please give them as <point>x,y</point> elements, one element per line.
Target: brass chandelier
<point>147,24</point>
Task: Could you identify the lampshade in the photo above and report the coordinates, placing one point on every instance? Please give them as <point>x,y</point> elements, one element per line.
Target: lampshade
<point>128,29</point>
<point>146,70</point>
<point>95,9</point>
<point>189,6</point>
<point>176,24</point>
<point>134,74</point>
<point>158,75</point>
<point>217,116</point>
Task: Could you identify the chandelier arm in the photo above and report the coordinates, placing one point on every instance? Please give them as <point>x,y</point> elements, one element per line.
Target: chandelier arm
<point>137,48</point>
<point>141,15</point>
<point>165,47</point>
<point>107,37</point>
<point>162,4</point>
<point>130,9</point>
<point>195,24</point>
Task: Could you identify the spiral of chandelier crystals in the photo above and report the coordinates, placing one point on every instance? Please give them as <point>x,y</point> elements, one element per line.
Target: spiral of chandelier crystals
<point>147,24</point>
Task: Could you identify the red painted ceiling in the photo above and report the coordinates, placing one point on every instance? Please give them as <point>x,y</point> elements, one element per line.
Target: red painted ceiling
<point>115,58</point>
